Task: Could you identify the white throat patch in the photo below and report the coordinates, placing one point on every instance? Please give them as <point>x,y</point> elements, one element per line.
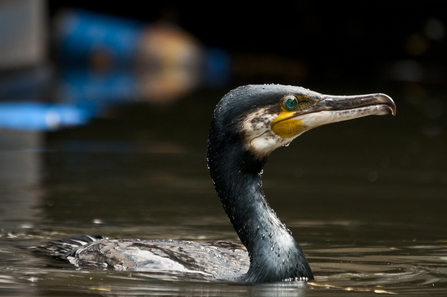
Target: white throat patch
<point>258,135</point>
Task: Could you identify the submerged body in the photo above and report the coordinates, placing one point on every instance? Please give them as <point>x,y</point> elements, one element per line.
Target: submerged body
<point>248,124</point>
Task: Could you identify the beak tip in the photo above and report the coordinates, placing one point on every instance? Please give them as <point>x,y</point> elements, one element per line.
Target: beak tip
<point>385,99</point>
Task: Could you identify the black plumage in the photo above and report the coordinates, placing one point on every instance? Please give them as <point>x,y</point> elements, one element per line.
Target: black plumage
<point>247,125</point>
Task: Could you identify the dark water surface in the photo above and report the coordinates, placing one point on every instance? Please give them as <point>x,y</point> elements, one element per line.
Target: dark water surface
<point>366,200</point>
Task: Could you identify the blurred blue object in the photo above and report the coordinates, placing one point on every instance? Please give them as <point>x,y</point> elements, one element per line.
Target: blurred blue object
<point>103,42</point>
<point>40,116</point>
<point>83,34</point>
<point>80,85</point>
<point>108,61</point>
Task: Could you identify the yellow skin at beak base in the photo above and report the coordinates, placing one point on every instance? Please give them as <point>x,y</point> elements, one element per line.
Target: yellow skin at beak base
<point>286,126</point>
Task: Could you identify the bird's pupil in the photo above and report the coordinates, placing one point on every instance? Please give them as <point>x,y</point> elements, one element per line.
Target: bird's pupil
<point>291,103</point>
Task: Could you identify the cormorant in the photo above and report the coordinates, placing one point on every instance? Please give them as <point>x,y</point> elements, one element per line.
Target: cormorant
<point>247,125</point>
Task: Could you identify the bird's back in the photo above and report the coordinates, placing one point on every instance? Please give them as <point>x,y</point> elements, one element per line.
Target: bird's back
<point>219,259</point>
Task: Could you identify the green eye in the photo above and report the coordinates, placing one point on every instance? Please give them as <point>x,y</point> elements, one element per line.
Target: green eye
<point>290,103</point>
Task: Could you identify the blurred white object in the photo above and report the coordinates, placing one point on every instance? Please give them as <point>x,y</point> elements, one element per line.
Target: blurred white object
<point>23,37</point>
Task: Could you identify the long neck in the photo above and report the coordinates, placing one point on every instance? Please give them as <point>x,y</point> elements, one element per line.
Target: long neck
<point>236,173</point>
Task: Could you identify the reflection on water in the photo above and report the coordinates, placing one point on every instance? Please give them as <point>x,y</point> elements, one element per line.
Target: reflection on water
<point>365,200</point>
<point>20,177</point>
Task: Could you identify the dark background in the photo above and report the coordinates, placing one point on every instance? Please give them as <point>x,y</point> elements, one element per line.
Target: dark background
<point>332,41</point>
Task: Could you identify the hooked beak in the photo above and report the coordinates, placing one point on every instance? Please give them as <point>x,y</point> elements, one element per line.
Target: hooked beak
<point>331,109</point>
<point>363,105</point>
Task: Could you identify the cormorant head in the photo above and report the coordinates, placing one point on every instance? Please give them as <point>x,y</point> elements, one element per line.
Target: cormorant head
<point>265,117</point>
